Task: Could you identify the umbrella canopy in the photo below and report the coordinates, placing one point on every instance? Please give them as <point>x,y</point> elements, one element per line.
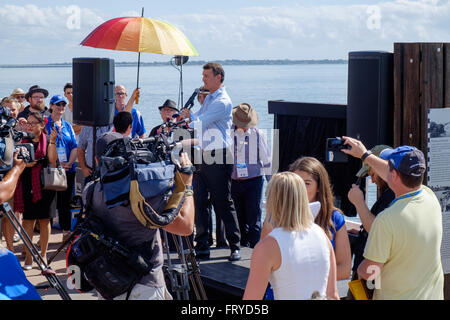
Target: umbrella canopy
<point>139,34</point>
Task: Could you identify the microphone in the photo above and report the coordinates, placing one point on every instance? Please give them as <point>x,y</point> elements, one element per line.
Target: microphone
<point>190,103</point>
<point>144,140</point>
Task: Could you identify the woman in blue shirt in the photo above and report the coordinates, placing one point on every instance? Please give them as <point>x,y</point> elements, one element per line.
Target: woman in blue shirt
<point>63,136</point>
<point>329,218</point>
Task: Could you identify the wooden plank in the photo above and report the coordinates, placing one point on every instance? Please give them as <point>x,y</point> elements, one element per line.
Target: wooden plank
<point>431,87</point>
<point>398,92</point>
<point>432,75</point>
<point>411,95</point>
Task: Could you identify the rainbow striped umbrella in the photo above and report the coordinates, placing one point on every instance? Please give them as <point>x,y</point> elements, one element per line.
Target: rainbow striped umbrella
<point>139,34</point>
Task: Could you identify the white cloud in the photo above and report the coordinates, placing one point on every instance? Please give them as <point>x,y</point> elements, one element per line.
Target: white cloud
<point>319,31</point>
<point>43,32</point>
<point>294,32</point>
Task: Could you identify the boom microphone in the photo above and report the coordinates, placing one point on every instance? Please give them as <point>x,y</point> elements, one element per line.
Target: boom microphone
<point>190,103</point>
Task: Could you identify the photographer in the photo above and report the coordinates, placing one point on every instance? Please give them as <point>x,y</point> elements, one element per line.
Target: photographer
<point>128,230</point>
<point>30,198</point>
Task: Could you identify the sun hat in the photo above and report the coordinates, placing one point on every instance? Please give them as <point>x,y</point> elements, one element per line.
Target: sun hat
<point>244,116</point>
<point>375,151</point>
<point>34,89</point>
<point>169,104</point>
<point>17,91</point>
<point>406,159</point>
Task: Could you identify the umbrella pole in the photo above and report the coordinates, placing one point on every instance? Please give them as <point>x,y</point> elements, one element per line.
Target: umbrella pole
<point>139,63</point>
<point>137,84</point>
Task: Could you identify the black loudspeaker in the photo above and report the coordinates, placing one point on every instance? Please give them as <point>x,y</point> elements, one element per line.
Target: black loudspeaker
<point>370,100</point>
<point>93,91</point>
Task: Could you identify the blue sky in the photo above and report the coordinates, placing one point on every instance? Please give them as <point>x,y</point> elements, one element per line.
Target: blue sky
<point>40,32</point>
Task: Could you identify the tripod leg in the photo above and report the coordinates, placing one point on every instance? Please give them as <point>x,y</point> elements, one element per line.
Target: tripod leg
<point>195,270</point>
<point>184,283</point>
<point>184,263</point>
<point>173,278</point>
<point>23,235</point>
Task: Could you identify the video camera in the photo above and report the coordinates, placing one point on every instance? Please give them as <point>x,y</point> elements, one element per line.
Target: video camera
<point>9,142</point>
<point>165,146</point>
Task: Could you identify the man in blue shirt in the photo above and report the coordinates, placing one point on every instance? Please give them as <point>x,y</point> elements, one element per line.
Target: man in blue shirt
<point>138,128</point>
<point>213,124</point>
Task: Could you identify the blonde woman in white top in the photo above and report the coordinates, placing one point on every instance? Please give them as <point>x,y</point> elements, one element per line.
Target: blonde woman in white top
<point>296,256</point>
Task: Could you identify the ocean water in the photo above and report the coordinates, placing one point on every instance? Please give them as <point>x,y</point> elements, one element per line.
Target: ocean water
<point>256,85</point>
<point>252,84</point>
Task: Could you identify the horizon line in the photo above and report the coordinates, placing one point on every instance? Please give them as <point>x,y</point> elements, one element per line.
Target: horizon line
<point>198,62</point>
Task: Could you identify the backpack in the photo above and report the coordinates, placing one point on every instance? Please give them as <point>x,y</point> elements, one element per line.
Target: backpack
<point>104,264</point>
<point>137,177</point>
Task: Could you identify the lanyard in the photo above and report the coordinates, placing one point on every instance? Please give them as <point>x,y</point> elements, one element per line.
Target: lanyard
<point>408,195</point>
<point>59,129</point>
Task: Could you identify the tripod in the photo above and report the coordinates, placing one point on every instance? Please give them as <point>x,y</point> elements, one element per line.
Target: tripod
<point>179,274</point>
<point>188,270</point>
<point>6,210</point>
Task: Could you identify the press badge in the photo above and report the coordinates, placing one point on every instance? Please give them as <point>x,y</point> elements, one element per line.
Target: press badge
<point>61,154</point>
<point>242,171</point>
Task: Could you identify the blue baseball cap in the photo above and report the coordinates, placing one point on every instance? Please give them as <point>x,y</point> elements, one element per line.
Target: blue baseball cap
<point>58,98</point>
<point>406,159</point>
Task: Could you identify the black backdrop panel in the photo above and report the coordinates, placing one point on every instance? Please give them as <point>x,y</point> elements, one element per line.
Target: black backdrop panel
<point>303,130</point>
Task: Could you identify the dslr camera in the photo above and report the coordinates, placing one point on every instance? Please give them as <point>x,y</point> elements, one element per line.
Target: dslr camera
<point>333,150</point>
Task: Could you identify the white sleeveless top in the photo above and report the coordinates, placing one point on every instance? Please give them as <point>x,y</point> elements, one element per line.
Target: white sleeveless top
<point>305,264</point>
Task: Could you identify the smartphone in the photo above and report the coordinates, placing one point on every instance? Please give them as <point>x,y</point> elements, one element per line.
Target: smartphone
<point>333,150</point>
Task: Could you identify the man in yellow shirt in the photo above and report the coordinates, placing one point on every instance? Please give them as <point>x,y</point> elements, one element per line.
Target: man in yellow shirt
<point>402,253</point>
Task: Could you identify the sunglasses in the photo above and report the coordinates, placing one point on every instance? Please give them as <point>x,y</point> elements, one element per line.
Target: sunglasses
<point>60,104</point>
<point>121,94</point>
<point>20,97</point>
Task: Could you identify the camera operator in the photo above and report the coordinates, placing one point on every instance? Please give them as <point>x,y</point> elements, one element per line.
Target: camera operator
<point>122,222</point>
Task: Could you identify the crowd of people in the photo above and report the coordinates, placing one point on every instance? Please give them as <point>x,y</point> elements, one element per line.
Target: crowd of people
<point>297,253</point>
